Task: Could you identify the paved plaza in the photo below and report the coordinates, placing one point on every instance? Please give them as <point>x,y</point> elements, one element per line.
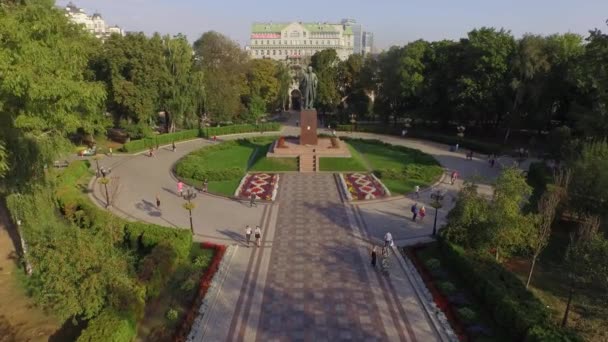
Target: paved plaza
<point>311,280</point>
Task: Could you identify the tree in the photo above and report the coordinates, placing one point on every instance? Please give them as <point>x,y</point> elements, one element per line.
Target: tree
<point>263,82</point>
<point>224,65</point>
<point>179,94</point>
<point>589,190</point>
<point>547,208</point>
<point>325,65</point>
<point>4,166</point>
<point>468,220</point>
<point>46,91</point>
<point>510,229</point>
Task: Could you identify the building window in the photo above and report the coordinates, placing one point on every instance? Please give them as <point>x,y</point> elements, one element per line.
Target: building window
<point>262,52</point>
<point>285,42</point>
<point>285,52</point>
<point>328,42</point>
<point>304,42</point>
<point>279,42</point>
<point>274,52</point>
<point>268,52</point>
<point>255,42</point>
<point>311,42</point>
<point>280,52</point>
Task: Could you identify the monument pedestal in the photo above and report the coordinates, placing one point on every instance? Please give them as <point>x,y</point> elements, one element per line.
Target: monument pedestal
<point>308,127</point>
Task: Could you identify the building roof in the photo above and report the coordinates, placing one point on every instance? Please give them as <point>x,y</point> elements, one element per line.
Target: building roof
<point>268,27</point>
<point>278,27</point>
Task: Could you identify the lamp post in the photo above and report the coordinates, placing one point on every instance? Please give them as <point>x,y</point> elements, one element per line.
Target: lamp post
<point>437,198</point>
<point>104,180</point>
<point>189,196</point>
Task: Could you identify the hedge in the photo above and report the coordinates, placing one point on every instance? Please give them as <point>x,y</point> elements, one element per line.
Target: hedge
<point>143,237</point>
<point>161,139</point>
<point>209,132</point>
<point>475,145</point>
<point>109,325</point>
<point>513,307</point>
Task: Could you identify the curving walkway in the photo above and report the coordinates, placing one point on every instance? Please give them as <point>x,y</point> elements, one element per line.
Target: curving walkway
<point>311,280</point>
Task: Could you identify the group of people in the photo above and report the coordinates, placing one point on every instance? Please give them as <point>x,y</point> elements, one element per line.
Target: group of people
<point>418,212</point>
<point>257,234</point>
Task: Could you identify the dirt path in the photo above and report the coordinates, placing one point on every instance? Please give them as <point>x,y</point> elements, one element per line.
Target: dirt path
<point>20,320</point>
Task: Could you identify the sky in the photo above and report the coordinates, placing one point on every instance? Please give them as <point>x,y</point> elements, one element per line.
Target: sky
<point>393,22</point>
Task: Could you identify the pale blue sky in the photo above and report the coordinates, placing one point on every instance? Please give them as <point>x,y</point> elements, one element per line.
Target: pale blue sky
<point>392,21</point>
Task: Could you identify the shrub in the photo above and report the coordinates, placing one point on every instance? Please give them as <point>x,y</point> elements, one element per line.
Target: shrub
<point>432,264</point>
<point>513,307</point>
<point>466,315</point>
<point>447,288</point>
<point>171,315</point>
<point>144,237</point>
<point>156,267</point>
<point>109,325</point>
<point>548,333</point>
<point>208,132</point>
<point>161,139</point>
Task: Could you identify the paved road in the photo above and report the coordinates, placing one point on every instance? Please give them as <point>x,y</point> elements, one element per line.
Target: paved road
<point>311,279</point>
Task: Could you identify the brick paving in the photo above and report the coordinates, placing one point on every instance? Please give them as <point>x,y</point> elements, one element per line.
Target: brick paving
<point>317,289</point>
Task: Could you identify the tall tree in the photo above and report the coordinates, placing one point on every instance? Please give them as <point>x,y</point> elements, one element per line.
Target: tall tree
<point>45,89</point>
<point>224,65</point>
<point>325,65</point>
<point>589,190</point>
<point>263,82</point>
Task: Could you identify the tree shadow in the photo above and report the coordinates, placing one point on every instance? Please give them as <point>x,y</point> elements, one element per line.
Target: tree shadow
<point>149,208</point>
<point>68,331</point>
<point>234,236</point>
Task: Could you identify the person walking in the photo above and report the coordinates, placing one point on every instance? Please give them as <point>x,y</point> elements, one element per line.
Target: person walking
<point>252,200</point>
<point>180,188</point>
<point>453,177</point>
<point>417,189</point>
<point>173,146</point>
<point>388,239</point>
<point>374,256</point>
<point>110,151</point>
<point>205,185</point>
<point>248,234</point>
<point>258,235</point>
<point>422,213</point>
<point>414,211</point>
<point>157,201</point>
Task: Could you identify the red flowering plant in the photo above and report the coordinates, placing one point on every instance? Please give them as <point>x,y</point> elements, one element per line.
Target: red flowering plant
<point>263,185</point>
<point>363,186</point>
<point>181,334</point>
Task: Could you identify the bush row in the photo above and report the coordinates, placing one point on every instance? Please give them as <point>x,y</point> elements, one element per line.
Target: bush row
<point>109,325</point>
<point>161,139</point>
<point>208,132</point>
<point>515,308</point>
<point>475,145</point>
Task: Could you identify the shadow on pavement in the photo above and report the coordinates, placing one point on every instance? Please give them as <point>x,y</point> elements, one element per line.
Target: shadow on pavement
<point>149,208</point>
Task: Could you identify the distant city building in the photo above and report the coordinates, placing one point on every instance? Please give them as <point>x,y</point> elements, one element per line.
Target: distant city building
<point>93,23</point>
<point>357,32</point>
<point>367,45</point>
<point>299,41</point>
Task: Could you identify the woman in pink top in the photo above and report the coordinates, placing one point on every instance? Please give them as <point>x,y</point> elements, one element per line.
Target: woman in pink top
<point>180,188</point>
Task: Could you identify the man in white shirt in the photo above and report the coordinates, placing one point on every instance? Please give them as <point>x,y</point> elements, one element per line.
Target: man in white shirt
<point>248,234</point>
<point>417,189</point>
<point>388,239</point>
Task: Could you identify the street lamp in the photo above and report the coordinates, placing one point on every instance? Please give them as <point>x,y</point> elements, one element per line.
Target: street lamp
<point>96,159</point>
<point>353,120</point>
<point>437,198</point>
<point>189,196</point>
<point>104,180</point>
<point>460,130</point>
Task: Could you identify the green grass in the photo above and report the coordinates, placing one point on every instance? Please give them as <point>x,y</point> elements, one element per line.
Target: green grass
<point>400,168</point>
<point>261,163</point>
<point>354,163</point>
<point>225,188</point>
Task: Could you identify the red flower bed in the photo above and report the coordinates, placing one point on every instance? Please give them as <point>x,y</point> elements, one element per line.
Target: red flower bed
<point>363,186</point>
<point>263,185</point>
<point>186,325</point>
<point>440,300</point>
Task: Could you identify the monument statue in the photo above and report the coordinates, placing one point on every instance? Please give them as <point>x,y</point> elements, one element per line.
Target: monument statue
<point>308,87</point>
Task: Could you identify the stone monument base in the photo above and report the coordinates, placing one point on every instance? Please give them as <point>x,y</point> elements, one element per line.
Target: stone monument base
<point>308,127</point>
<point>323,148</point>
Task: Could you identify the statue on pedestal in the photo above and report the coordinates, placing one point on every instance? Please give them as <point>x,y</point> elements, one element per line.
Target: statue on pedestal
<point>308,87</point>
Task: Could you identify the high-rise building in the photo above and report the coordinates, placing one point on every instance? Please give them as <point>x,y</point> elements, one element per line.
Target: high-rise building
<point>368,43</point>
<point>357,32</point>
<point>94,23</point>
<point>298,40</point>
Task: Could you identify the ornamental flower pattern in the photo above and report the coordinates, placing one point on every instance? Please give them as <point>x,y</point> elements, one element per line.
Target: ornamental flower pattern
<point>263,185</point>
<point>362,186</point>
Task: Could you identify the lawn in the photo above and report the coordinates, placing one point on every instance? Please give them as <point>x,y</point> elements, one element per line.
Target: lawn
<point>400,168</point>
<point>181,289</point>
<point>225,164</point>
<point>354,163</point>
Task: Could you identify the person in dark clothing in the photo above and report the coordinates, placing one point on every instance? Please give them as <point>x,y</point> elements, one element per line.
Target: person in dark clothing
<point>374,257</point>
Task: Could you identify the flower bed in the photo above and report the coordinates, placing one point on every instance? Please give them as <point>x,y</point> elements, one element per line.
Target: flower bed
<point>361,186</point>
<point>263,185</point>
<point>186,324</point>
